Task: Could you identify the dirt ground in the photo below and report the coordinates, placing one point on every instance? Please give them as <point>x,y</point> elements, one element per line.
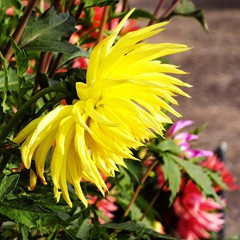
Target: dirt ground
<point>213,64</point>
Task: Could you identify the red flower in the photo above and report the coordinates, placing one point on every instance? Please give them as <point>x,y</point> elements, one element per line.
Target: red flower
<point>216,165</point>
<point>80,63</point>
<point>197,214</point>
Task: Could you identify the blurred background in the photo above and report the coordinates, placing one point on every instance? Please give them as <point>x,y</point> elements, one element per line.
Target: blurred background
<point>213,64</point>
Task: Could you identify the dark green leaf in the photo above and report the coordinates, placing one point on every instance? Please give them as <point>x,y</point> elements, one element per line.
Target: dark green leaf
<point>138,13</point>
<point>135,227</point>
<point>188,9</point>
<point>135,168</point>
<point>172,173</point>
<point>84,229</point>
<point>50,32</point>
<point>198,175</point>
<point>99,3</point>
<point>8,184</point>
<point>23,211</point>
<point>81,53</point>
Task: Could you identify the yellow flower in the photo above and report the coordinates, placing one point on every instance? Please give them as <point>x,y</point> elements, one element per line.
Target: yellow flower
<point>121,106</point>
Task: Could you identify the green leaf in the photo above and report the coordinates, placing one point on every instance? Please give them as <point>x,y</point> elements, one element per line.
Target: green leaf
<point>188,9</point>
<point>99,3</point>
<point>81,53</point>
<point>6,4</point>
<point>172,173</point>
<point>23,211</point>
<point>8,184</point>
<point>138,13</point>
<point>134,227</point>
<point>84,229</point>
<point>198,175</point>
<point>216,177</point>
<point>12,80</point>
<point>135,168</point>
<point>21,59</point>
<point>24,231</point>
<point>5,82</point>
<point>50,32</point>
<point>167,145</point>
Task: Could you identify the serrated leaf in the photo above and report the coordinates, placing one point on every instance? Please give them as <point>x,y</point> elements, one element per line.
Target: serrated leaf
<point>21,59</point>
<point>12,80</point>
<point>135,227</point>
<point>216,177</point>
<point>198,175</point>
<point>8,184</point>
<point>99,3</point>
<point>23,211</point>
<point>188,9</point>
<point>171,173</point>
<point>50,32</point>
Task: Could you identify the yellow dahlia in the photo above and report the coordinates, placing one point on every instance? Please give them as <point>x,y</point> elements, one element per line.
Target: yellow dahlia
<point>121,106</point>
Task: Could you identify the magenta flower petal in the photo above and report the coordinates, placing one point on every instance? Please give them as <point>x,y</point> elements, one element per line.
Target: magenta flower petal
<point>177,126</point>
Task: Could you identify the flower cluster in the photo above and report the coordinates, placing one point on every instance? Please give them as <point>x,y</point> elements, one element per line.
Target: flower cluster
<point>195,216</point>
<point>84,94</point>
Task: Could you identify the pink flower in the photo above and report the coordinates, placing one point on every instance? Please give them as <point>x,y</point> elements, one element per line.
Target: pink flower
<point>197,215</point>
<point>183,139</point>
<point>106,206</point>
<point>215,164</point>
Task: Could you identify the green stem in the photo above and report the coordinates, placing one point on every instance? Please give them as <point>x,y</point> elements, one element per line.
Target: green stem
<point>22,111</point>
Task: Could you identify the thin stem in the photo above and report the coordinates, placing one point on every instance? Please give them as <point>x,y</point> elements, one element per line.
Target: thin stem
<point>152,202</point>
<point>68,5</point>
<point>55,65</point>
<point>103,23</point>
<point>23,109</point>
<point>79,11</point>
<point>124,5</point>
<point>157,10</point>
<point>57,4</point>
<point>48,60</point>
<point>40,69</point>
<point>167,13</point>
<point>139,188</point>
<point>20,28</point>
